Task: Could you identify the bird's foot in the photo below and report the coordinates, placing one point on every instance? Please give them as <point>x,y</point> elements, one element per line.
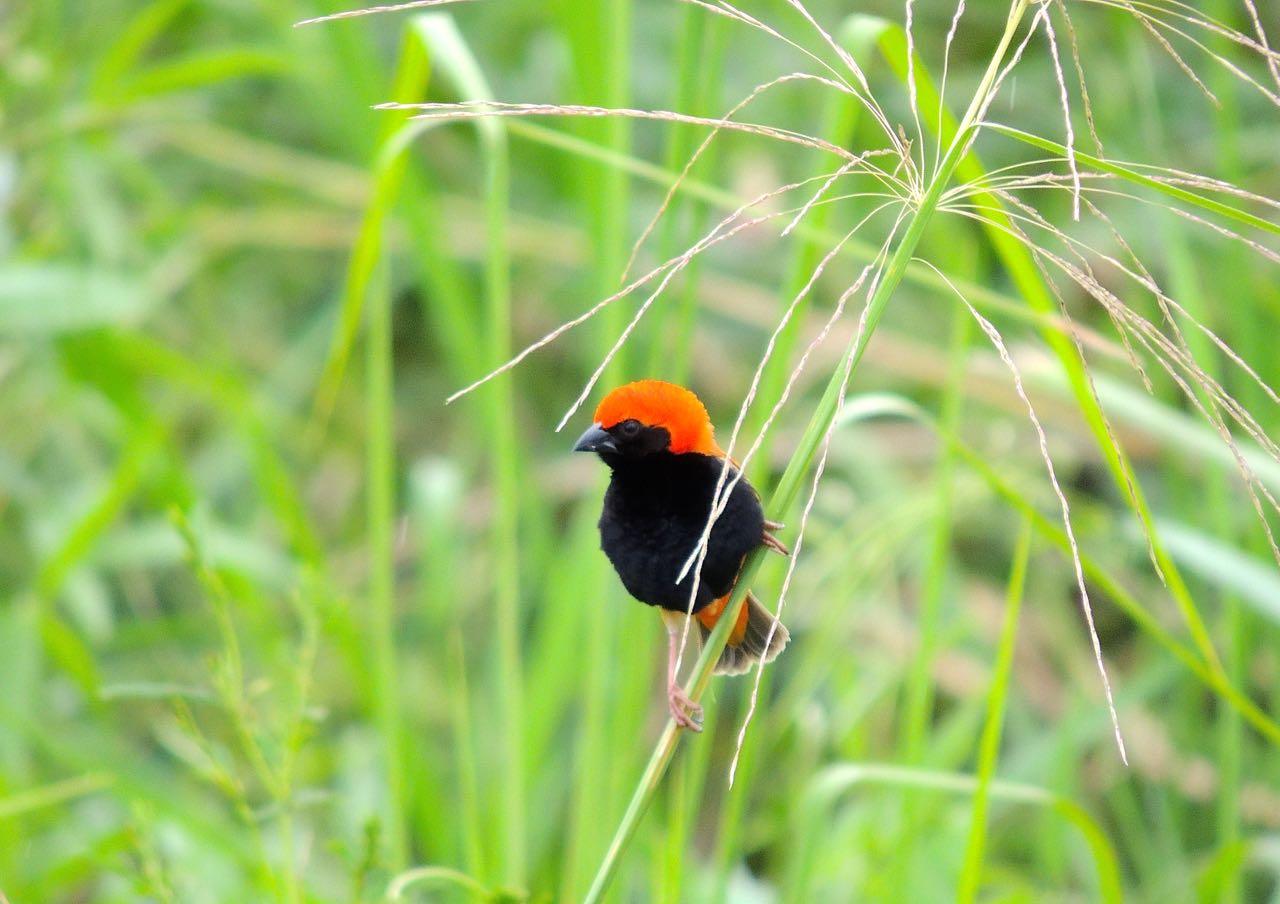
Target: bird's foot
<point>773,542</point>
<point>773,526</point>
<point>686,713</point>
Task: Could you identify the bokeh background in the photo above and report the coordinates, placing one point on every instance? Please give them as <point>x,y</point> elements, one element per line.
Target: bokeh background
<point>277,624</point>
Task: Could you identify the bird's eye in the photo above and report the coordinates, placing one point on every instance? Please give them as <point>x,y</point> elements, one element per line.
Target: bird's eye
<point>629,429</point>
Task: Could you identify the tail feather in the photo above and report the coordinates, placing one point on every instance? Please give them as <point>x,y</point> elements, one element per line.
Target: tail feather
<point>755,644</point>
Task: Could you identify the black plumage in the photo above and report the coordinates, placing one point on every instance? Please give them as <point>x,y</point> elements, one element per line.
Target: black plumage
<point>655,511</point>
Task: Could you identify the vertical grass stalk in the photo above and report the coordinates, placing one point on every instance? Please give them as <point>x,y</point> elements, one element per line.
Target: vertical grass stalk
<point>381,475</point>
<point>504,464</point>
<point>368,284</point>
<point>919,696</point>
<point>451,54</point>
<point>819,425</point>
<point>989,744</point>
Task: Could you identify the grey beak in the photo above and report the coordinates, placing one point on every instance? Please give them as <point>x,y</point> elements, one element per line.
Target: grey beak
<point>596,439</point>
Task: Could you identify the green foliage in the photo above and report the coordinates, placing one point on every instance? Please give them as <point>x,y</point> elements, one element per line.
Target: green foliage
<point>278,624</point>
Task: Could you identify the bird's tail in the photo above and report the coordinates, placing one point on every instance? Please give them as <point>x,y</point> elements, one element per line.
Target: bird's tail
<point>756,637</point>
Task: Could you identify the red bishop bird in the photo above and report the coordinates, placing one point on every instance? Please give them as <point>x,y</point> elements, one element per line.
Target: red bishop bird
<point>658,442</point>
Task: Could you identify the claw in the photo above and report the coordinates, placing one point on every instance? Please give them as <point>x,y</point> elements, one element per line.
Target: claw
<point>686,713</point>
<point>775,544</point>
<point>773,526</point>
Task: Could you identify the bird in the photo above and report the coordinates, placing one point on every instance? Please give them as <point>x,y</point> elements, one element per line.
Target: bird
<point>659,444</point>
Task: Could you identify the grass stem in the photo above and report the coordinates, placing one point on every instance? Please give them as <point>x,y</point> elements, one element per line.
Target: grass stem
<point>814,436</point>
<point>989,744</point>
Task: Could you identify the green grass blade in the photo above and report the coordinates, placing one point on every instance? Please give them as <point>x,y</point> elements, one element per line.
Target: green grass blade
<point>381,475</point>
<point>131,41</point>
<point>389,164</point>
<point>54,795</point>
<point>368,285</point>
<point>989,745</point>
<point>454,59</point>
<point>435,877</point>
<point>1129,174</point>
<point>837,780</point>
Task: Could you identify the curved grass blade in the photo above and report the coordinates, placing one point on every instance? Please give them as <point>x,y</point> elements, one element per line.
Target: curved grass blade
<point>1128,173</point>
<point>834,781</point>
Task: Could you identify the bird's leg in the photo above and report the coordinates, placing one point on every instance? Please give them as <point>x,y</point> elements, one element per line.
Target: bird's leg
<point>687,713</point>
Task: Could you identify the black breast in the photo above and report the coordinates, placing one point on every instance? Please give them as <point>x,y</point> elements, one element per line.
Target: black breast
<point>654,513</point>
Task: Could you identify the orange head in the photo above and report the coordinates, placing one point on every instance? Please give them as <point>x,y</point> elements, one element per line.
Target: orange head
<point>649,416</point>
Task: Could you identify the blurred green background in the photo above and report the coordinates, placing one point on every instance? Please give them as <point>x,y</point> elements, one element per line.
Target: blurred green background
<point>277,624</point>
